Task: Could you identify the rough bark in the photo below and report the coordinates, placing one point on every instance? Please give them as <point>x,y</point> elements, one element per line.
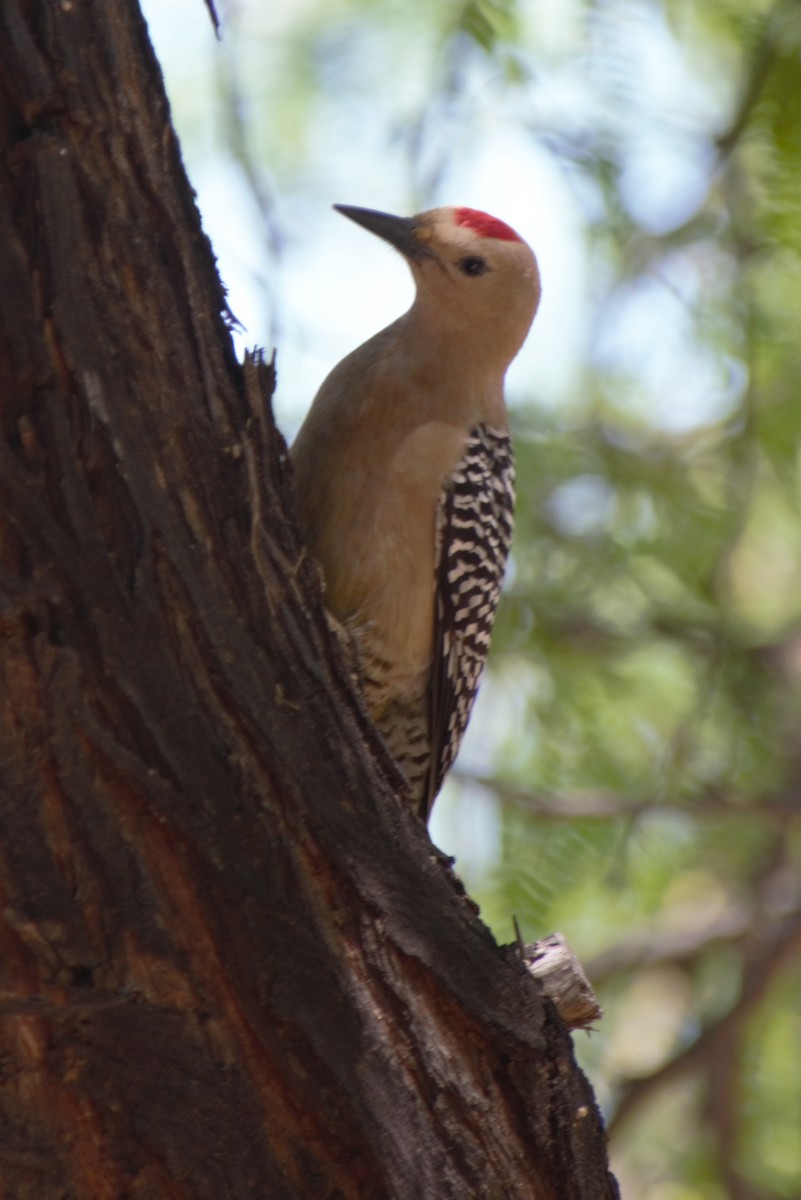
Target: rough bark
<point>230,963</point>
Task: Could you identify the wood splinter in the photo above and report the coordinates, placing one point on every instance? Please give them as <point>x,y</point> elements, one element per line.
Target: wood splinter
<point>563,980</point>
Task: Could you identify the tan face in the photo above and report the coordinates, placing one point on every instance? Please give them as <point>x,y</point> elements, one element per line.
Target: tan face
<point>477,272</point>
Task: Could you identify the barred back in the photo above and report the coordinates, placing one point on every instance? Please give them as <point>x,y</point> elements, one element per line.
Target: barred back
<point>473,535</point>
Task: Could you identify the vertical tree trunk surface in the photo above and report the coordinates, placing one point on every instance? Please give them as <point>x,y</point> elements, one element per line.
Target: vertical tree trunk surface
<point>231,964</point>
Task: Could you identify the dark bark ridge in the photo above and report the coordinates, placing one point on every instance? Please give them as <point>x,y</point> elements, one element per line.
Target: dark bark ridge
<point>230,963</point>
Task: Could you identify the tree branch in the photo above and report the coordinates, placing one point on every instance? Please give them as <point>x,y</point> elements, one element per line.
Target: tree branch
<point>769,953</point>
<point>601,806</point>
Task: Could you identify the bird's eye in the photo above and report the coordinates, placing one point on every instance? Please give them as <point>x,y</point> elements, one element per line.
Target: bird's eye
<point>473,265</point>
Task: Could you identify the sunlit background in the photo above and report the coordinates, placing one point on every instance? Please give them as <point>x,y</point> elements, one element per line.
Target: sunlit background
<point>632,774</point>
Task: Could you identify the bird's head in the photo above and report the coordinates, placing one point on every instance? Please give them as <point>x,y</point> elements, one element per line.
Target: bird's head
<point>477,280</point>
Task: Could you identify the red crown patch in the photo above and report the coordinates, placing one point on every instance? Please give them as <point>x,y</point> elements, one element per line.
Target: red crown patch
<point>485,225</point>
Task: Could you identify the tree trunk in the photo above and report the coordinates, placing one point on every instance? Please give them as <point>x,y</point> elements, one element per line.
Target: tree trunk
<point>231,964</point>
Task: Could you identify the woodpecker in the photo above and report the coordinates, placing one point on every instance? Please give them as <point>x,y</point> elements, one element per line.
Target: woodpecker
<point>404,479</point>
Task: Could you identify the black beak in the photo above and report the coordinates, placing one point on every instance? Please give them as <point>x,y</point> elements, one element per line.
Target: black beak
<point>400,232</point>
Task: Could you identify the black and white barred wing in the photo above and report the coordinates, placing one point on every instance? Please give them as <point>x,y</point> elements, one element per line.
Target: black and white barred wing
<point>474,532</point>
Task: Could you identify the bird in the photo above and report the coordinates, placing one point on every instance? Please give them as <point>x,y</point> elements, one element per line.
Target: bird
<point>405,486</point>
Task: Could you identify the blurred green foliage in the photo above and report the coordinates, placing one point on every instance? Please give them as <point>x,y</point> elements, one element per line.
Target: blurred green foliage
<point>642,790</point>
<point>657,597</point>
